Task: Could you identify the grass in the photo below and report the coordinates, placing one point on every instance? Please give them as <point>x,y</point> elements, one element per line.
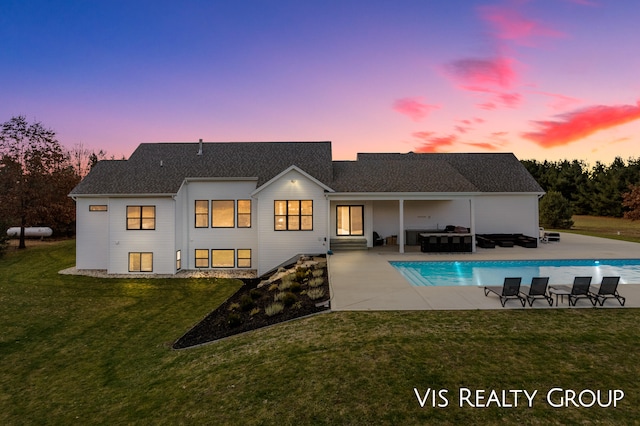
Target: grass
<point>606,227</point>
<point>96,351</point>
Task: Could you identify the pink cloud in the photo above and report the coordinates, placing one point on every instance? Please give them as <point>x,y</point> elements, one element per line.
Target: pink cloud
<point>581,123</point>
<point>423,135</point>
<point>489,106</point>
<point>435,144</point>
<point>414,108</point>
<point>559,102</point>
<point>509,24</point>
<point>510,100</point>
<point>484,145</point>
<point>477,74</point>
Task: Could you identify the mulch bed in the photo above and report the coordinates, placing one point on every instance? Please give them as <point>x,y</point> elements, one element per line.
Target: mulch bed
<point>234,316</point>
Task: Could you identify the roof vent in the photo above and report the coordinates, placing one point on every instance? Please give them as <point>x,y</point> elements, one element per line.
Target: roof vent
<point>200,147</point>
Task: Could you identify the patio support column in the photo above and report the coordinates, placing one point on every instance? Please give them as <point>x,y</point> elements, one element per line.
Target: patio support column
<point>472,229</point>
<point>401,230</point>
<point>328,233</point>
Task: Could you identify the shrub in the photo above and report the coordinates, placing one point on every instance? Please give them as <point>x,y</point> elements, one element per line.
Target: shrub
<point>297,305</point>
<point>255,294</point>
<point>234,306</point>
<point>234,320</point>
<point>316,282</point>
<point>286,282</point>
<point>555,211</point>
<point>285,297</point>
<point>254,311</point>
<point>274,287</point>
<point>301,274</point>
<point>247,303</point>
<point>274,309</point>
<point>295,287</point>
<point>317,273</point>
<point>315,293</point>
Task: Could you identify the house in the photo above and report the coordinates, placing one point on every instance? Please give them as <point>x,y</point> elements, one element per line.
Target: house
<point>252,206</point>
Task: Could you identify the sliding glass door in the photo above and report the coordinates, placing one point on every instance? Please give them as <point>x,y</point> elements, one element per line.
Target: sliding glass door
<point>350,220</point>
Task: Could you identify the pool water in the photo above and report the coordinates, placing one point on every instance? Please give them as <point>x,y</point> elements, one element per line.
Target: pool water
<point>481,273</point>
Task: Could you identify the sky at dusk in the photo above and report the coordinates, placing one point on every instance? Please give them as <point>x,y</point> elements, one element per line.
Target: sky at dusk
<point>544,79</point>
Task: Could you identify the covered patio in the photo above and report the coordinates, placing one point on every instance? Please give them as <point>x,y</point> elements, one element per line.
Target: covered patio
<point>364,280</point>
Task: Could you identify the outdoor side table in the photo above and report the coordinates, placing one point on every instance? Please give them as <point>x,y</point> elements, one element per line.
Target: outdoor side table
<point>562,292</point>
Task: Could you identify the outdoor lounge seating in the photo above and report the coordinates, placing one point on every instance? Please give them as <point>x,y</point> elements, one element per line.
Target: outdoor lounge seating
<point>509,290</point>
<point>609,290</point>
<point>579,290</point>
<point>537,290</point>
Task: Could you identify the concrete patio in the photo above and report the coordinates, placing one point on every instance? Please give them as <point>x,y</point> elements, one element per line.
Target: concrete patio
<point>364,280</point>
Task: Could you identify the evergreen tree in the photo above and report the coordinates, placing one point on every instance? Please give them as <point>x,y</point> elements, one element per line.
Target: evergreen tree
<point>555,211</point>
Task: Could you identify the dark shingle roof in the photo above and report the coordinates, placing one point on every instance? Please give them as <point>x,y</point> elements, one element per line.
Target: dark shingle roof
<point>160,168</point>
<point>439,172</point>
<point>143,173</point>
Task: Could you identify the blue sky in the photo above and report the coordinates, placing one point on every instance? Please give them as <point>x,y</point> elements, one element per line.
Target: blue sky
<point>545,79</point>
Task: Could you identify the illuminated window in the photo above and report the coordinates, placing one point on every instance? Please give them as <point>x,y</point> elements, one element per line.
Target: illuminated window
<point>293,215</point>
<point>222,213</point>
<point>244,258</point>
<point>350,220</point>
<point>178,260</point>
<point>202,214</point>
<point>202,258</point>
<point>244,213</point>
<point>222,258</point>
<point>140,262</point>
<point>141,217</point>
<point>98,208</point>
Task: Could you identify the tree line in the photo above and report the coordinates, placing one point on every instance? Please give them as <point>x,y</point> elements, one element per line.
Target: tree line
<point>574,188</point>
<point>36,175</point>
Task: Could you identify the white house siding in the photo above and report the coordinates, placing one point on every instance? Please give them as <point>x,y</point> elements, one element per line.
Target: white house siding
<point>436,214</point>
<point>160,242</point>
<point>276,247</point>
<point>507,214</point>
<point>181,226</point>
<point>219,238</point>
<point>92,234</point>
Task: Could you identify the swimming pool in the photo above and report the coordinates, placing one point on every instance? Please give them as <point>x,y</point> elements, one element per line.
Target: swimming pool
<point>481,273</point>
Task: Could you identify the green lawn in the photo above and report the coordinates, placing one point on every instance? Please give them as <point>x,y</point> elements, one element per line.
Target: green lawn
<point>97,351</point>
<point>606,227</point>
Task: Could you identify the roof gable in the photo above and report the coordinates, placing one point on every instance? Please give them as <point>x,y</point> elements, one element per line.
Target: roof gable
<point>160,168</point>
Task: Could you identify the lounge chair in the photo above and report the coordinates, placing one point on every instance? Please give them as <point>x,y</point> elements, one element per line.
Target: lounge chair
<point>509,290</point>
<point>579,290</point>
<point>608,290</point>
<point>537,290</point>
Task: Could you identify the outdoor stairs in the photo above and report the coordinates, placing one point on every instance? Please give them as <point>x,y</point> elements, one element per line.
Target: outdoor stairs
<point>343,244</point>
